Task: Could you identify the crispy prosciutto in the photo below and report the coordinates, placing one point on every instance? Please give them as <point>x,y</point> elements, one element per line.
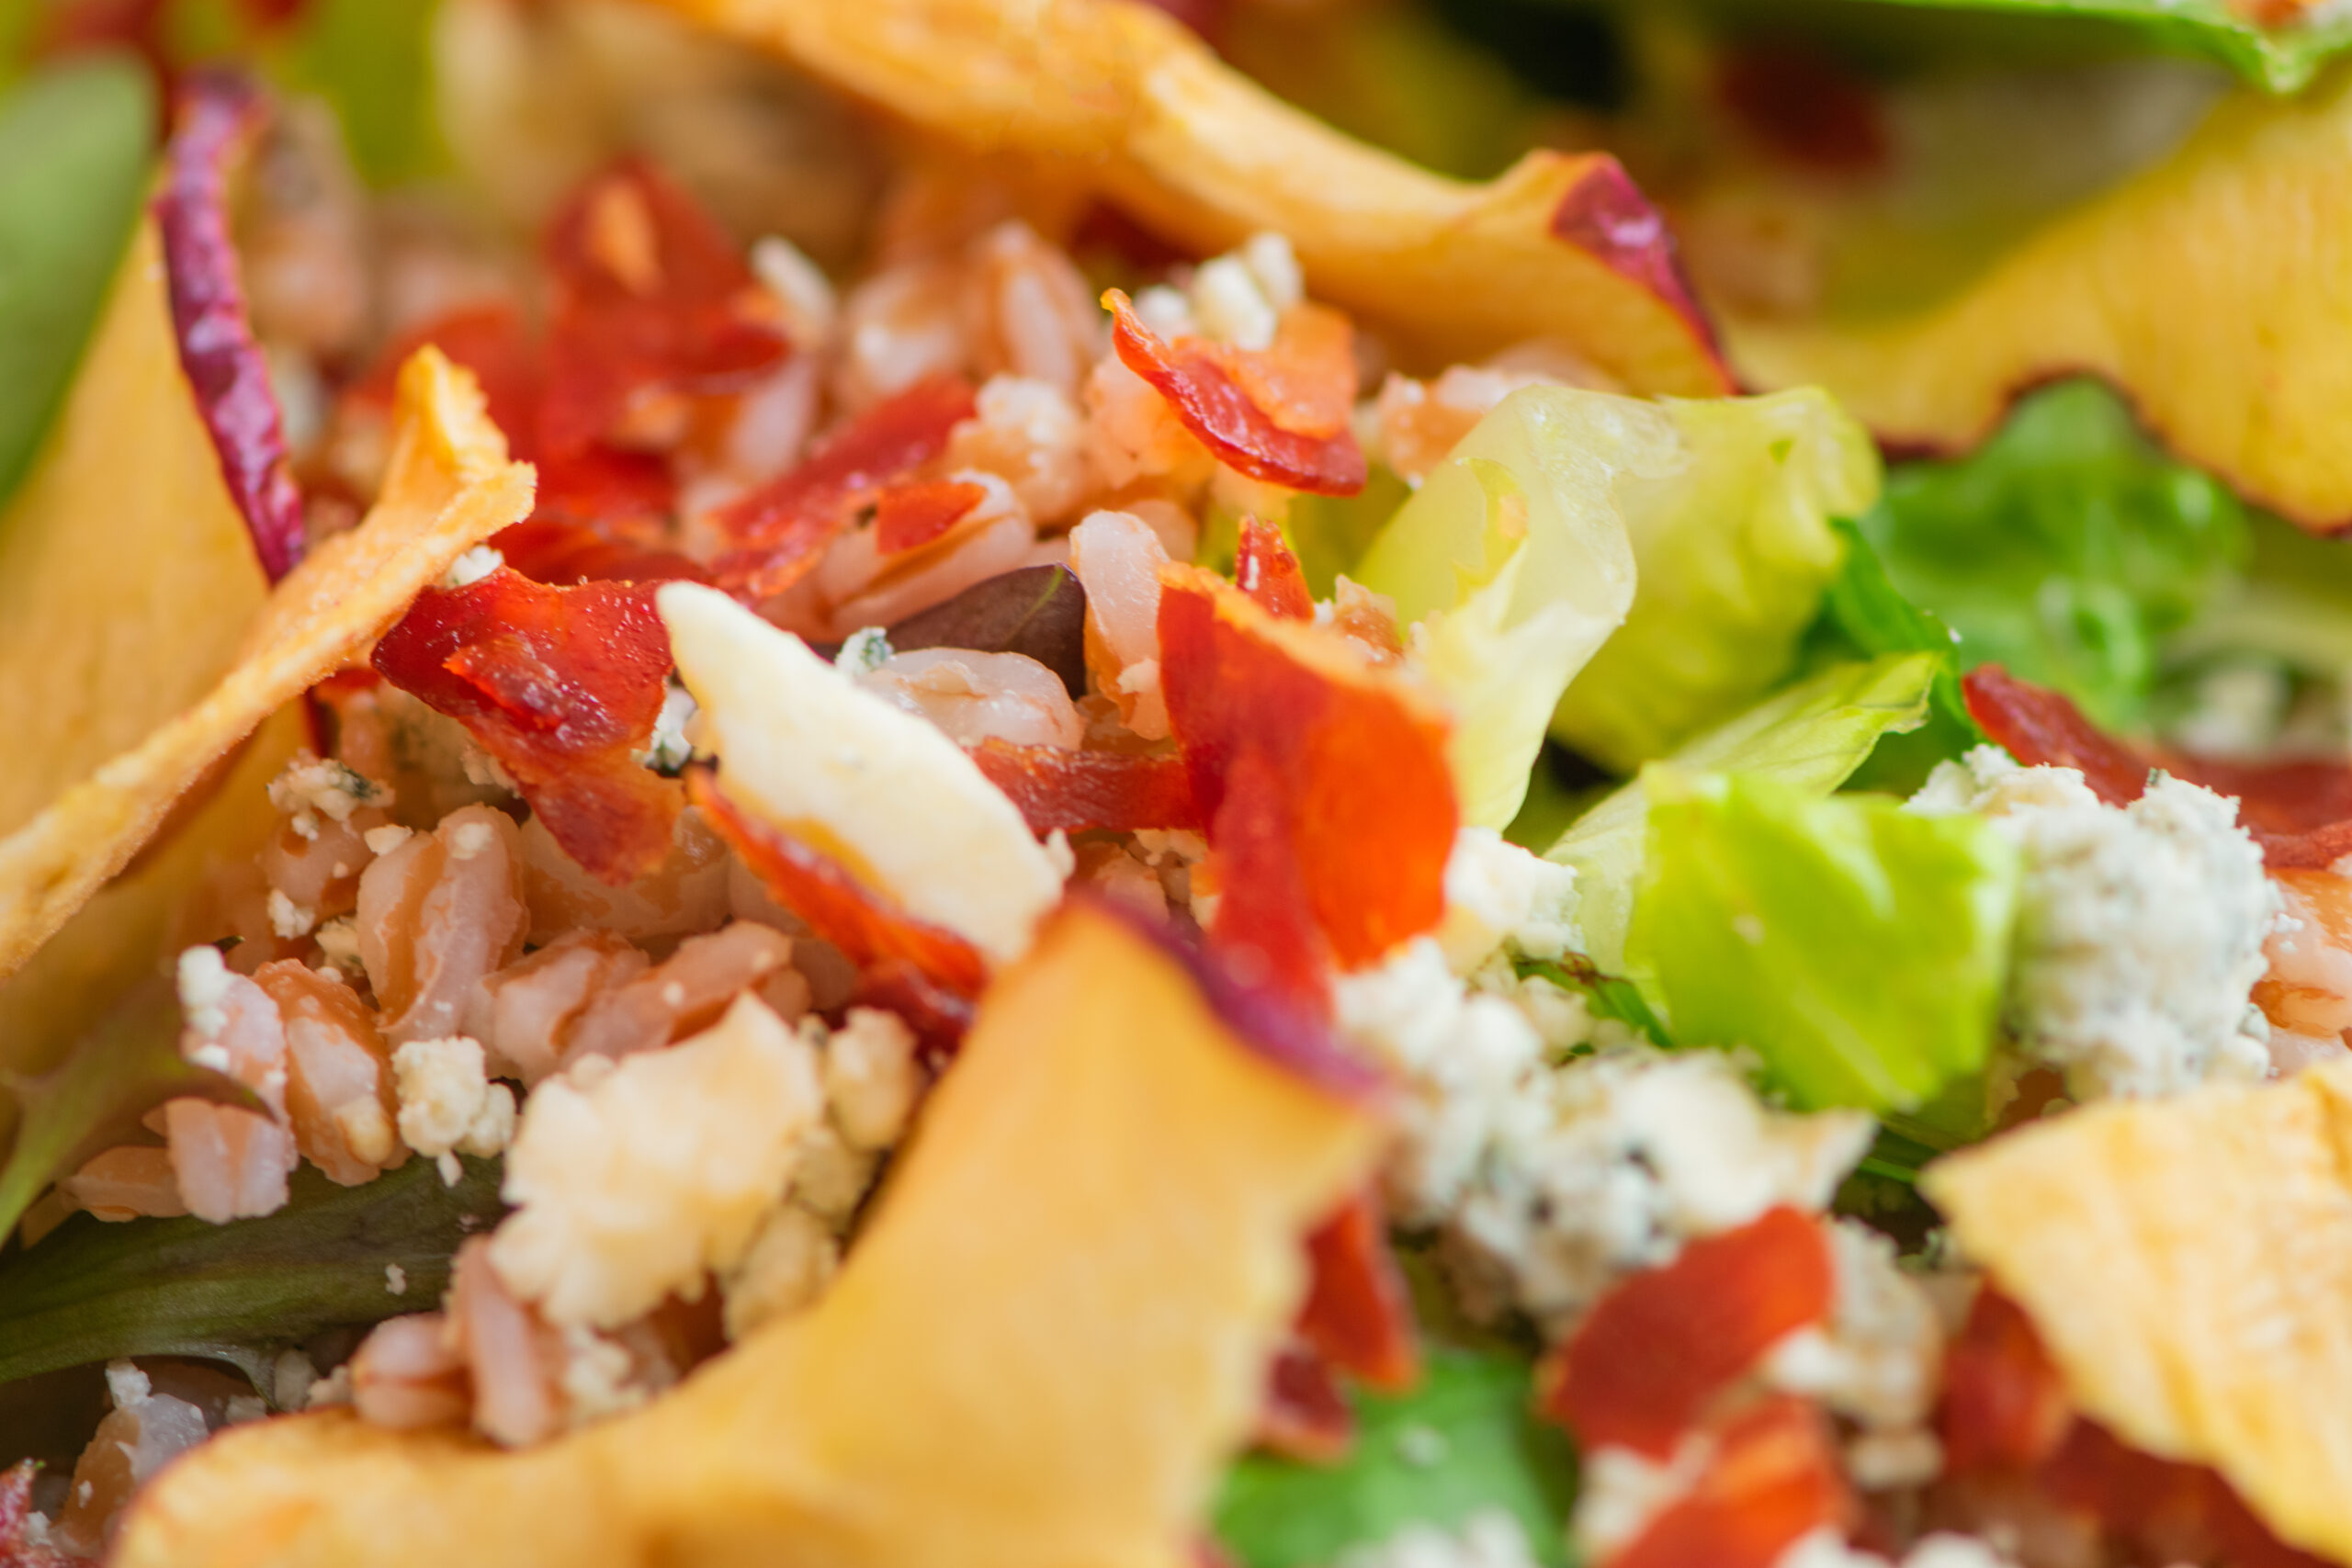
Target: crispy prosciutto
<point>1772,1477</point>
<point>1323,780</point>
<point>651,302</point>
<point>561,685</point>
<point>1305,1415</point>
<point>1645,1364</point>
<point>1268,572</point>
<point>873,934</point>
<point>1278,414</point>
<point>1358,1317</point>
<point>1117,791</point>
<point>911,516</point>
<point>2290,807</point>
<point>220,113</point>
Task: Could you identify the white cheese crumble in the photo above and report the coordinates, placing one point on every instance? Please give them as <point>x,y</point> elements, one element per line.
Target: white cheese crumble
<point>1490,1538</point>
<point>669,749</point>
<point>383,841</point>
<point>633,1185</point>
<point>1239,297</point>
<point>787,1267</point>
<point>864,651</point>
<point>309,789</point>
<point>448,1104</point>
<point>287,917</point>
<point>1498,896</point>
<point>2139,929</point>
<point>1826,1548</point>
<point>395,1280</point>
<point>472,567</point>
<point>872,1079</point>
<point>338,942</point>
<point>1878,1359</point>
<point>1553,1178</point>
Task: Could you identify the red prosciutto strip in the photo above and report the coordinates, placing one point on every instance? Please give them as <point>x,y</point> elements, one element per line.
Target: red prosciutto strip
<point>561,685</point>
<point>1267,570</point>
<point>651,300</point>
<point>1656,1351</point>
<point>1116,791</point>
<point>872,932</point>
<point>1304,1416</point>
<point>220,115</point>
<point>1279,415</point>
<point>1359,1314</point>
<point>1773,1477</point>
<point>909,516</point>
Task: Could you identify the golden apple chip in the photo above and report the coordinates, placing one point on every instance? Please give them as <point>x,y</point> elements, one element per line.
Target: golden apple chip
<point>2188,1262</point>
<point>1116,96</point>
<point>2214,289</point>
<point>448,487</point>
<point>1052,1335</point>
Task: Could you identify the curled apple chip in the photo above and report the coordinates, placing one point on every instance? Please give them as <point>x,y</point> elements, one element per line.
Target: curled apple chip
<point>2209,289</point>
<point>2188,1264</point>
<point>1052,1335</point>
<point>1132,108</point>
<point>448,487</point>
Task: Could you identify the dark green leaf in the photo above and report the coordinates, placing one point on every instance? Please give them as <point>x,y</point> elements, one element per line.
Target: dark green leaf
<point>76,142</point>
<point>1863,615</point>
<point>1605,994</point>
<point>1038,610</point>
<point>1465,1440</point>
<point>2282,58</point>
<point>127,1065</point>
<point>2064,549</point>
<point>93,1290</point>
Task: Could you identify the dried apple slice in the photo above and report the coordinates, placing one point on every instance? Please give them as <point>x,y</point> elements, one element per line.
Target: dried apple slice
<point>1131,107</point>
<point>2208,288</point>
<point>1039,1355</point>
<point>447,488</point>
<point>2189,1266</point>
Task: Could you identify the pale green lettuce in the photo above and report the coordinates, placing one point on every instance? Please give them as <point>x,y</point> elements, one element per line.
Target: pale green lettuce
<point>1810,738</point>
<point>1858,949</point>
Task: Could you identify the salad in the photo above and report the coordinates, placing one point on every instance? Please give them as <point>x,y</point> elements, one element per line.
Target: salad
<point>925,781</point>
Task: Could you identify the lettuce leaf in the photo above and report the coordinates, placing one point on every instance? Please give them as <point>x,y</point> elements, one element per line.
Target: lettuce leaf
<point>1514,562</point>
<point>1810,738</point>
<point>1465,1440</point>
<point>2065,549</point>
<point>1858,949</point>
<point>2282,59</point>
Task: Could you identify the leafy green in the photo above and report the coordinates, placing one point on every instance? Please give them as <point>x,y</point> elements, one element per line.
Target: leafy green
<point>1863,614</point>
<point>2064,549</point>
<point>1465,1440</point>
<point>1734,550</point>
<point>127,1064</point>
<point>1811,737</point>
<point>1857,948</point>
<point>93,1290</point>
<point>1331,533</point>
<point>1605,995</point>
<point>1513,556</point>
<point>372,61</point>
<point>2282,59</point>
<point>76,143</point>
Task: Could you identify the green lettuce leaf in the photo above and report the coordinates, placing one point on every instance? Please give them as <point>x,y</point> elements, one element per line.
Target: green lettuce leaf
<point>2282,59</point>
<point>1858,949</point>
<point>77,145</point>
<point>1811,738</point>
<point>1465,1440</point>
<point>1514,560</point>
<point>2065,549</point>
<point>372,61</point>
<point>92,1291</point>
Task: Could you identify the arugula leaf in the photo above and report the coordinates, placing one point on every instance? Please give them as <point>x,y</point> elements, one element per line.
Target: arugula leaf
<point>1039,611</point>
<point>92,1291</point>
<point>2282,59</point>
<point>1465,1440</point>
<point>76,143</point>
<point>2064,549</point>
<point>1860,949</point>
<point>127,1064</point>
<point>1811,737</point>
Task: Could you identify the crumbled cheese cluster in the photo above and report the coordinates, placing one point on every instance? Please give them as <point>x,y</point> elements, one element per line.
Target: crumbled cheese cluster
<point>1498,896</point>
<point>448,1104</point>
<point>1554,1177</point>
<point>310,790</point>
<point>2139,929</point>
<point>1878,1362</point>
<point>1826,1548</point>
<point>1490,1538</point>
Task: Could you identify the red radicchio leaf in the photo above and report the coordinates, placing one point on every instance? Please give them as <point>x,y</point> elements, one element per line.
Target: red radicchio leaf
<point>1606,216</point>
<point>785,525</point>
<point>1359,1314</point>
<point>1270,414</point>
<point>1304,1416</point>
<point>1268,572</point>
<point>1656,1351</point>
<point>1324,783</point>
<point>219,114</point>
<point>1772,1478</point>
<point>561,685</point>
<point>868,929</point>
<point>909,516</point>
<point>651,300</point>
<point>1116,791</point>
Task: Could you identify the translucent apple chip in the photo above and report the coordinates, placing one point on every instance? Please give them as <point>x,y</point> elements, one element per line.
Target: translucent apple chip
<point>2188,1263</point>
<point>1120,98</point>
<point>448,487</point>
<point>2209,289</point>
<point>1041,1353</point>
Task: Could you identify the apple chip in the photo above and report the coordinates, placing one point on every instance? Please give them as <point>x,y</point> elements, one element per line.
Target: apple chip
<point>1052,1335</point>
<point>448,487</point>
<point>2188,1263</point>
<point>2209,289</point>
<point>1122,99</point>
